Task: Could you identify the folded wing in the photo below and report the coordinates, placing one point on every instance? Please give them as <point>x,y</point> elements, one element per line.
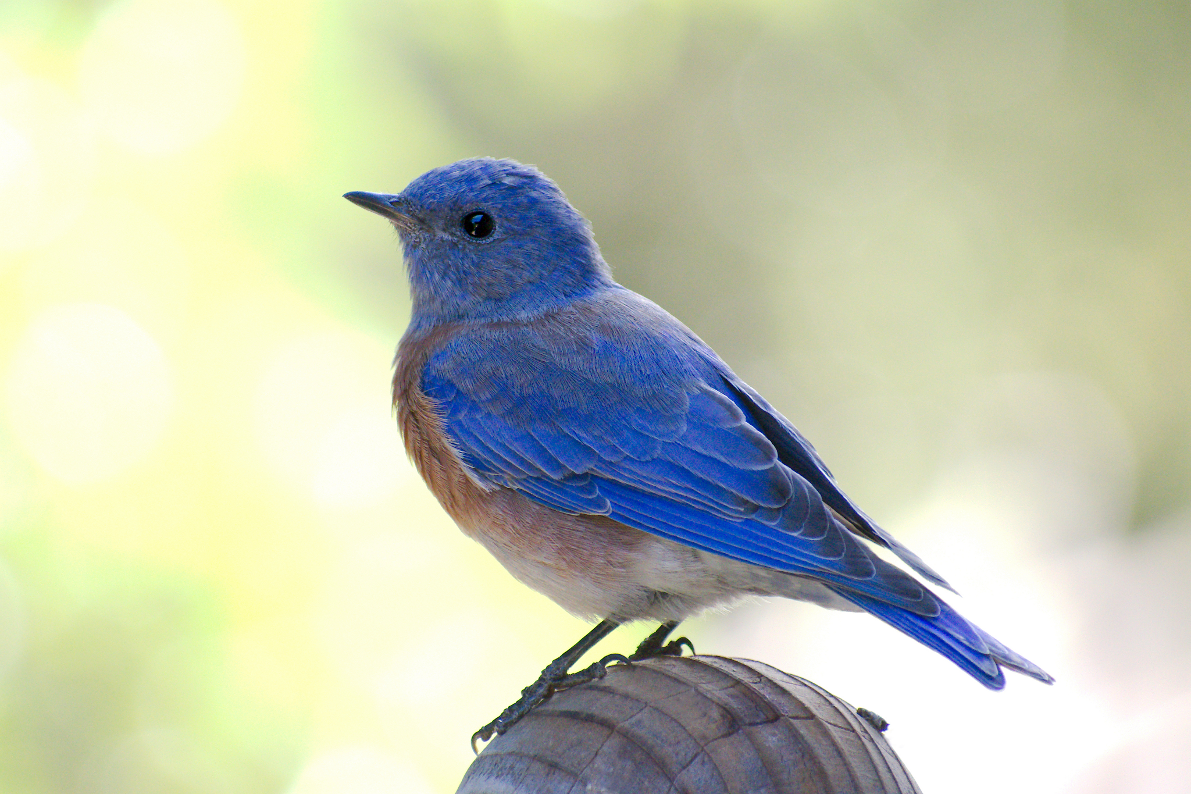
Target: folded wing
<point>644,424</point>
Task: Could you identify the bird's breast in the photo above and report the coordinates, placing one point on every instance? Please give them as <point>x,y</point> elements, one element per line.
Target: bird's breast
<point>575,560</point>
<point>425,437</point>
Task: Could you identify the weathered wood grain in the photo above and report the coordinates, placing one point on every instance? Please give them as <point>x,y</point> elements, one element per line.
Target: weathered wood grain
<point>691,724</point>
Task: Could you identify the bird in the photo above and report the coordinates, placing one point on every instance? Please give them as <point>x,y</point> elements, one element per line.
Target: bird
<point>604,454</point>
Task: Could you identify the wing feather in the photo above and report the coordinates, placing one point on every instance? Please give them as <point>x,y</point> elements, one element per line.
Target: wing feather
<point>675,455</point>
<point>799,454</point>
<point>610,407</point>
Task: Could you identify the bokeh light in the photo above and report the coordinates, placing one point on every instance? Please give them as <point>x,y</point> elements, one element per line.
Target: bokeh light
<point>325,421</point>
<point>952,241</point>
<point>46,160</point>
<point>89,392</point>
<point>159,77</point>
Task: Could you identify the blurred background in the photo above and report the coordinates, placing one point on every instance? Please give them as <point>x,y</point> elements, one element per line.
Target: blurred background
<point>951,241</point>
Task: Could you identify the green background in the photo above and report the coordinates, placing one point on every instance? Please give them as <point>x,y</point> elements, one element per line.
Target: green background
<point>950,240</point>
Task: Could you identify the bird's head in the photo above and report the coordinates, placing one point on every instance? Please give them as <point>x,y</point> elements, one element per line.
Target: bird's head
<point>489,239</point>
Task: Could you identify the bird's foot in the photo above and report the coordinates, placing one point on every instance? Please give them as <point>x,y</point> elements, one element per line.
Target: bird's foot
<point>655,644</point>
<point>673,648</point>
<point>552,679</point>
<point>597,670</point>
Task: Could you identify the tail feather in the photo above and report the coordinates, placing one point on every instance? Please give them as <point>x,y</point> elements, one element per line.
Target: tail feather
<point>953,636</point>
<point>1014,661</point>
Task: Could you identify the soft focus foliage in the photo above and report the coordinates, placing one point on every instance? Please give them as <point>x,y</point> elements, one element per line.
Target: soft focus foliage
<point>952,241</point>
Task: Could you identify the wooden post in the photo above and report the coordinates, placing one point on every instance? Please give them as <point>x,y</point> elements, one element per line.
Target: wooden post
<point>691,724</point>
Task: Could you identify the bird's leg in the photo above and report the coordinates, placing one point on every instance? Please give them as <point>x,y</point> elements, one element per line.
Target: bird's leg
<point>655,644</point>
<point>554,677</point>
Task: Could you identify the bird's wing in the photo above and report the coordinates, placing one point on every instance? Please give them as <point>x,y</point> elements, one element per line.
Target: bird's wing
<point>590,413</point>
<point>616,409</point>
<point>796,452</point>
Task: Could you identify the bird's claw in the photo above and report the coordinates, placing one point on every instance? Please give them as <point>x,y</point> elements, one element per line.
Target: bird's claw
<point>653,646</point>
<point>531,696</point>
<point>672,649</point>
<point>597,670</point>
<point>550,681</point>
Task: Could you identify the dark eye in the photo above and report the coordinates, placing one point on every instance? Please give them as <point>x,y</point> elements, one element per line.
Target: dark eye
<point>478,224</point>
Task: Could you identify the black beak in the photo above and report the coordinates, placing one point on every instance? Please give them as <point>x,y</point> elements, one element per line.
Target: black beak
<point>395,208</point>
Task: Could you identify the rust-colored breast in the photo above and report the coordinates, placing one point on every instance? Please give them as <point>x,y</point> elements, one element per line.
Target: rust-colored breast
<point>585,563</point>
<point>423,432</point>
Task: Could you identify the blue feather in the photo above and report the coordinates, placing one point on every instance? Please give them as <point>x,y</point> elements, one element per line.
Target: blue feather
<point>799,454</point>
<point>687,452</point>
<point>552,380</point>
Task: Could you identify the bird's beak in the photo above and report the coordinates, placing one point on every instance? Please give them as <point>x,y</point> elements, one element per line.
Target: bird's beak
<point>395,208</point>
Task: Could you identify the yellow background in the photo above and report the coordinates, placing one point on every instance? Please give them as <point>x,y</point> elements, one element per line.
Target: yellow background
<point>950,240</point>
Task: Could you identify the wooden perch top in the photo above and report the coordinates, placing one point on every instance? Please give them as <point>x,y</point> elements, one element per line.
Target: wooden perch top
<point>691,724</point>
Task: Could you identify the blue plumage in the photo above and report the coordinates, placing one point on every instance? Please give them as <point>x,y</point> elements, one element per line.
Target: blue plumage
<point>546,381</point>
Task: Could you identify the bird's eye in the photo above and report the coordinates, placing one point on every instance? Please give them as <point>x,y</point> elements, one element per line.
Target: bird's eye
<point>478,224</point>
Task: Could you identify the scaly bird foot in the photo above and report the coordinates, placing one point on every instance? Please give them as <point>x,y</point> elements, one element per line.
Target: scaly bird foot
<point>597,670</point>
<point>553,679</point>
<point>655,644</point>
<point>672,649</point>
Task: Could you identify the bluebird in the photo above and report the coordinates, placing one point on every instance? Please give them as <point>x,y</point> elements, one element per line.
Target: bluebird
<point>603,453</point>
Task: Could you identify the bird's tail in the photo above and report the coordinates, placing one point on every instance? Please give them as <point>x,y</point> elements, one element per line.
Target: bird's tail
<point>953,636</point>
